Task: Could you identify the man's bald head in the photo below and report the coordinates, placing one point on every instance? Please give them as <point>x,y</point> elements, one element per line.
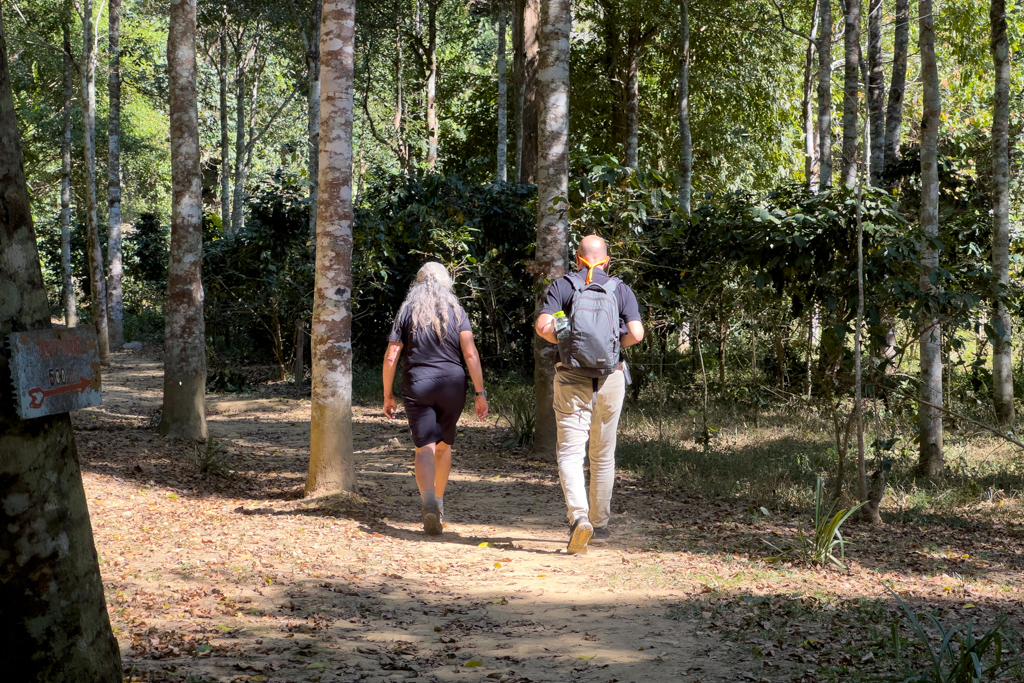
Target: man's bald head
<point>593,249</point>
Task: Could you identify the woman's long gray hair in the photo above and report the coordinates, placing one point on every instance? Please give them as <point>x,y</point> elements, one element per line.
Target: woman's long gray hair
<point>431,301</point>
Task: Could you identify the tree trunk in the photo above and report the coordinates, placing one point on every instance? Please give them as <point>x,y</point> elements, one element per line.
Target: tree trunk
<point>825,96</point>
<point>876,92</point>
<point>1002,350</point>
<point>184,411</point>
<point>67,282</point>
<point>502,98</point>
<point>632,152</point>
<point>97,280</point>
<point>930,462</point>
<point>552,199</point>
<point>241,171</point>
<point>432,83</point>
<point>225,144</point>
<point>331,464</point>
<point>851,91</point>
<point>685,141</point>
<point>525,61</point>
<point>722,328</point>
<point>313,116</point>
<point>398,125</point>
<point>299,365</point>
<point>115,295</point>
<point>894,108</point>
<point>55,625</point>
<point>807,108</point>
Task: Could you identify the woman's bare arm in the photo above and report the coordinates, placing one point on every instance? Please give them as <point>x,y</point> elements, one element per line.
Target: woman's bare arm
<point>476,372</point>
<point>391,357</point>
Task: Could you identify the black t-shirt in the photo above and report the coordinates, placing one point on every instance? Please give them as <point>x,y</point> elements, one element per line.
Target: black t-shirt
<point>561,291</point>
<point>424,354</point>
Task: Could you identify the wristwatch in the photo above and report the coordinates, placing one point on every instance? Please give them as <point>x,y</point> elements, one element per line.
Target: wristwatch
<point>482,392</point>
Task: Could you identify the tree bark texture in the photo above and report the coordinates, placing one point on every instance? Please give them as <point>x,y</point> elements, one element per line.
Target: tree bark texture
<point>97,279</point>
<point>331,465</point>
<point>552,198</point>
<point>876,92</point>
<point>115,267</point>
<point>431,91</point>
<point>225,143</point>
<point>525,62</point>
<point>851,91</point>
<point>241,171</point>
<point>930,460</point>
<point>184,411</point>
<point>685,140</point>
<point>1002,356</point>
<point>825,95</point>
<point>807,108</point>
<point>67,281</point>
<point>313,115</point>
<point>894,107</point>
<point>632,146</point>
<point>502,99</point>
<point>54,626</point>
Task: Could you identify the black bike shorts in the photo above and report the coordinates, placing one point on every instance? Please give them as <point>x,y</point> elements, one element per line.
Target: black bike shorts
<point>433,406</point>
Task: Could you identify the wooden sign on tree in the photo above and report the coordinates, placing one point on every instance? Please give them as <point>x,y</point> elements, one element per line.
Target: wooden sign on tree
<point>55,371</point>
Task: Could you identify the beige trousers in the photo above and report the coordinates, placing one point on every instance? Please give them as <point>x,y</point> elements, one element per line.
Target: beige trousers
<point>583,413</point>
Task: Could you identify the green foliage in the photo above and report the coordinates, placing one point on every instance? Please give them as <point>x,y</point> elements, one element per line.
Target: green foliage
<point>212,458</point>
<point>960,656</point>
<point>514,402</point>
<point>821,547</point>
<point>261,279</point>
<point>482,233</point>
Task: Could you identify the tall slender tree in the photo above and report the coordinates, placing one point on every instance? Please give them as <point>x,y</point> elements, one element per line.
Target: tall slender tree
<point>894,107</point>
<point>825,95</point>
<point>930,461</point>
<point>851,91</point>
<point>525,23</point>
<point>331,465</point>
<point>807,105</point>
<point>245,47</point>
<point>685,140</point>
<point>1002,356</point>
<point>876,91</point>
<point>53,617</point>
<point>430,53</point>
<point>502,98</point>
<point>225,142</point>
<point>552,198</point>
<point>311,40</point>
<point>67,282</point>
<point>115,267</point>
<point>97,280</point>
<point>184,411</point>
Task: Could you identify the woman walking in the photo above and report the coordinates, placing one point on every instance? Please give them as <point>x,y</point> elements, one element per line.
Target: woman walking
<point>433,329</point>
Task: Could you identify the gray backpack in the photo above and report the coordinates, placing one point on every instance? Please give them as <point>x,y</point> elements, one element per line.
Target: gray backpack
<point>592,348</point>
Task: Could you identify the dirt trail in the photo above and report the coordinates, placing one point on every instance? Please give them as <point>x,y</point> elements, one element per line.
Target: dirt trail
<point>236,578</point>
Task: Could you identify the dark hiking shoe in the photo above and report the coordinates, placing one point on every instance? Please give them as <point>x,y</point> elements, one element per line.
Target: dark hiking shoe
<point>601,535</point>
<point>579,534</point>
<point>431,519</point>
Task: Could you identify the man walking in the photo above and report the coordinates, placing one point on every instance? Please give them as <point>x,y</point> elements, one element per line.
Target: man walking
<point>591,317</point>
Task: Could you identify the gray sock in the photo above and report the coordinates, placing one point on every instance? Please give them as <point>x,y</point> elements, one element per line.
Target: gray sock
<point>428,498</point>
<point>440,504</point>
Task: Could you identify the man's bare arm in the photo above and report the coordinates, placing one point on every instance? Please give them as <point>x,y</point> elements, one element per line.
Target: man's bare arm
<point>545,327</point>
<point>635,334</point>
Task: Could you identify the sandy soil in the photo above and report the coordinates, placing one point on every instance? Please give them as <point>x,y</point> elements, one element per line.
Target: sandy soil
<point>235,577</point>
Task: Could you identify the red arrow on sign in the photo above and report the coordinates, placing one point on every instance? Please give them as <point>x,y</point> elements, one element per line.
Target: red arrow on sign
<point>38,395</point>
